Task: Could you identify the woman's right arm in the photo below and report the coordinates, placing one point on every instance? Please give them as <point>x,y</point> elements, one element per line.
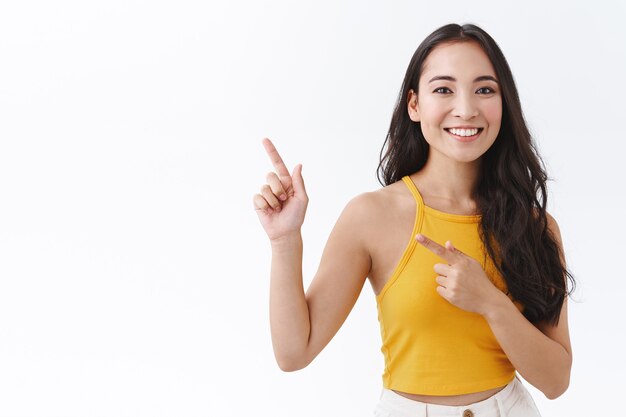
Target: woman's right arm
<point>303,324</point>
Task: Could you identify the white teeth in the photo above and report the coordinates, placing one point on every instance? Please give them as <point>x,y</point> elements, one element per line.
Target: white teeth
<point>463,132</point>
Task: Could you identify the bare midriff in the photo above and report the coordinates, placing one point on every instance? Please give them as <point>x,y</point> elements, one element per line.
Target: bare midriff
<point>464,399</point>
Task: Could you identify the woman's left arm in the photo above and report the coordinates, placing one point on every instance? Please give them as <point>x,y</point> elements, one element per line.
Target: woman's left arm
<point>541,354</point>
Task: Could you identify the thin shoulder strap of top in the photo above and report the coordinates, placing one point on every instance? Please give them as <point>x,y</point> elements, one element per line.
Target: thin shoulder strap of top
<point>416,194</point>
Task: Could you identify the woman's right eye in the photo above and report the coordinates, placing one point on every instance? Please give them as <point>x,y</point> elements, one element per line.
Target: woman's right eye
<point>438,90</point>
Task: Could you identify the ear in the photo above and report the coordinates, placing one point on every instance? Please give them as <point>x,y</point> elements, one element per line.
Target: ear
<point>412,106</point>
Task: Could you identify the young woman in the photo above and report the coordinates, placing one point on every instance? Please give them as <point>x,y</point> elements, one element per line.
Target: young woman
<point>479,292</point>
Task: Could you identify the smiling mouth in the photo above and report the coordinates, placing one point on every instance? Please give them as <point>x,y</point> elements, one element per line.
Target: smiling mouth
<point>464,135</point>
<point>480,129</point>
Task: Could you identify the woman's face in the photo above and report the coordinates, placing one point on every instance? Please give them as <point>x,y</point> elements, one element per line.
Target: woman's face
<point>458,105</point>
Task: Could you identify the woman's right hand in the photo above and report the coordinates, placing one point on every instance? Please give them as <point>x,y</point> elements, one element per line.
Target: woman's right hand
<point>281,218</point>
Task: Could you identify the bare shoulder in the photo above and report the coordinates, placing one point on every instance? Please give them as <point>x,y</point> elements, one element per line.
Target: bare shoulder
<point>377,218</point>
<point>551,221</point>
<point>370,207</point>
<point>555,231</point>
<point>554,227</point>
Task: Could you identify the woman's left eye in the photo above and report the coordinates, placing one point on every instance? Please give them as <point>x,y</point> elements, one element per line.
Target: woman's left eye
<point>486,88</point>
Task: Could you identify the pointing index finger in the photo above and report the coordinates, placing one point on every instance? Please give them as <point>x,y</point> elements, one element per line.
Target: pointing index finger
<point>435,248</point>
<point>277,161</point>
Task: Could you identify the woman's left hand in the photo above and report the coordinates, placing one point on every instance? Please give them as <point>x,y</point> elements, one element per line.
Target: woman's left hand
<point>463,281</point>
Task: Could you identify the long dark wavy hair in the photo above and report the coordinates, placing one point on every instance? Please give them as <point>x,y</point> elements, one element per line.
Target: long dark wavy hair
<point>513,225</point>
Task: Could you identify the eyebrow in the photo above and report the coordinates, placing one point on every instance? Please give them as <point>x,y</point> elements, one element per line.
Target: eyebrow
<point>477,79</point>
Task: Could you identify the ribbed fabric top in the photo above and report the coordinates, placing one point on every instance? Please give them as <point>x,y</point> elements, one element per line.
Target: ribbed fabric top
<point>430,346</point>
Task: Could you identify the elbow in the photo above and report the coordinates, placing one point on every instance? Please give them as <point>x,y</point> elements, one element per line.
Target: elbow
<point>294,360</point>
<point>287,366</point>
<point>559,389</point>
<point>291,364</point>
<point>553,395</point>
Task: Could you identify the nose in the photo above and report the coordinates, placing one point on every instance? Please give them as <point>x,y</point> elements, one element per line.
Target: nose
<point>465,107</point>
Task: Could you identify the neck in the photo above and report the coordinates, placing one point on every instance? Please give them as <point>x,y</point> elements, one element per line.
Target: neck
<point>451,180</point>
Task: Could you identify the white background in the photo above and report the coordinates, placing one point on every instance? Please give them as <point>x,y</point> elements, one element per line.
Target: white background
<point>134,273</point>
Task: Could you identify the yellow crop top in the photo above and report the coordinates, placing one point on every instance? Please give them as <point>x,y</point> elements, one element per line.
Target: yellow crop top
<point>430,346</point>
